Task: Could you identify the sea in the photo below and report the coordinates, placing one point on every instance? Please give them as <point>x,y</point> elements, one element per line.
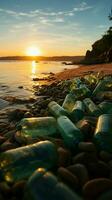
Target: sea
<point>16,77</point>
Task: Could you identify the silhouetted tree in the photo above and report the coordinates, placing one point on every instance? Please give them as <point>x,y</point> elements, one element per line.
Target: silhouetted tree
<point>110,15</point>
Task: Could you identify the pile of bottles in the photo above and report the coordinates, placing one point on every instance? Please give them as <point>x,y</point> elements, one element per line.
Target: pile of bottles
<point>84,117</point>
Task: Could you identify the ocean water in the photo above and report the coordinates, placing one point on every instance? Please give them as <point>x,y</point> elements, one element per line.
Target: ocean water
<point>17,73</point>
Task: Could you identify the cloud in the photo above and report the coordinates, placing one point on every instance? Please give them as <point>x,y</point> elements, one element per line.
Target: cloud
<point>82,7</point>
<point>39,12</point>
<point>101,26</point>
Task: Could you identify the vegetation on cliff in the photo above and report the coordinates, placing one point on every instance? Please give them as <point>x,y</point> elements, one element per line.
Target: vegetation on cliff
<point>101,50</point>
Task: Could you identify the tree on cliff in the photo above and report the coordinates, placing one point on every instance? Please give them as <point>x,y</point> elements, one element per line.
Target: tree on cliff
<point>110,15</point>
<point>101,49</point>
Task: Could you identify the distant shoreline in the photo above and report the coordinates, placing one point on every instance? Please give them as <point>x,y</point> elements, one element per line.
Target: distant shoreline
<point>42,58</point>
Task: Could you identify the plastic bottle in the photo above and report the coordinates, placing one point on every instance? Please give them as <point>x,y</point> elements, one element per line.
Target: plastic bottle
<point>21,162</point>
<point>69,102</point>
<point>40,126</point>
<point>43,185</point>
<point>103,133</point>
<point>56,110</point>
<point>69,132</point>
<point>91,108</point>
<point>103,85</point>
<point>77,111</point>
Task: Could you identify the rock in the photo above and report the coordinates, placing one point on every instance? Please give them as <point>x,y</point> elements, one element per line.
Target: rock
<point>87,147</point>
<point>16,115</point>
<point>68,178</point>
<point>2,139</point>
<point>20,87</point>
<point>93,188</point>
<point>3,104</point>
<point>64,157</point>
<point>19,138</point>
<point>105,156</point>
<point>80,172</point>
<point>7,145</point>
<point>5,188</point>
<point>18,188</point>
<point>85,158</point>
<point>98,170</point>
<point>106,196</point>
<point>86,127</point>
<point>28,115</point>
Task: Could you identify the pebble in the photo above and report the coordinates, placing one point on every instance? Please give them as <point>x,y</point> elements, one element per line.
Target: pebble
<point>80,172</point>
<point>68,178</point>
<point>18,188</point>
<point>85,158</point>
<point>98,169</point>
<point>19,138</point>
<point>87,147</point>
<point>7,145</point>
<point>93,188</point>
<point>105,156</point>
<point>2,139</point>
<point>106,196</point>
<point>64,157</point>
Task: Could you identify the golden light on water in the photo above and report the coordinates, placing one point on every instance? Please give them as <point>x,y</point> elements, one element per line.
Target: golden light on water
<point>33,51</point>
<point>34,67</point>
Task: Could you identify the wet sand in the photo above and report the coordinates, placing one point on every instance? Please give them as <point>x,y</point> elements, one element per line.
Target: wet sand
<point>83,70</point>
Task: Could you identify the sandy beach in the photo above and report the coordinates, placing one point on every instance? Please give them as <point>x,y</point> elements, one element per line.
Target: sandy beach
<point>83,70</point>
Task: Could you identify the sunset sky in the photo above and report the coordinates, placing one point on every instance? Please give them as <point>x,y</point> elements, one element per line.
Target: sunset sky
<point>55,27</point>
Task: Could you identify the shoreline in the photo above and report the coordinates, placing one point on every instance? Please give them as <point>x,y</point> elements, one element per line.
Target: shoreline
<point>83,70</point>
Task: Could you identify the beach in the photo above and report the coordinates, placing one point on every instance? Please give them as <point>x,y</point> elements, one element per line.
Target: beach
<point>84,70</point>
<point>81,165</point>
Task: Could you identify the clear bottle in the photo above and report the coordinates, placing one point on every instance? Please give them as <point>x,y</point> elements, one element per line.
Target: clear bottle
<point>56,110</point>
<point>38,126</point>
<point>20,163</point>
<point>69,132</point>
<point>43,185</point>
<point>69,102</point>
<point>103,133</point>
<point>77,111</point>
<point>92,108</point>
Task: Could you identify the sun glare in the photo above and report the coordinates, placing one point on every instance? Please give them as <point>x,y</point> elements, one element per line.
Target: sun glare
<point>33,51</point>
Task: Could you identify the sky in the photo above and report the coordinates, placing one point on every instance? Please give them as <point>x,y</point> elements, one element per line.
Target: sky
<point>56,27</point>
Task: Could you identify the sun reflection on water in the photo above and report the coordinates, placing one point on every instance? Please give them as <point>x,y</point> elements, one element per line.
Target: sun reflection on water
<point>34,69</point>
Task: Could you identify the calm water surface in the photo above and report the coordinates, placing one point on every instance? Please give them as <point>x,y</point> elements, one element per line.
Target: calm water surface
<point>15,74</point>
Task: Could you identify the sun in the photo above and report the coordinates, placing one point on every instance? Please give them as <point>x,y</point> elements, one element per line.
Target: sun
<point>33,51</point>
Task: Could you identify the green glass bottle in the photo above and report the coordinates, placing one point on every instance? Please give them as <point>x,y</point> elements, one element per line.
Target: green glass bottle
<point>103,85</point>
<point>38,126</point>
<point>69,132</point>
<point>43,185</point>
<point>76,82</point>
<point>56,110</point>
<point>103,133</point>
<point>106,107</point>
<point>92,108</point>
<point>20,163</point>
<point>69,102</point>
<point>77,111</point>
<point>81,92</point>
<point>92,79</point>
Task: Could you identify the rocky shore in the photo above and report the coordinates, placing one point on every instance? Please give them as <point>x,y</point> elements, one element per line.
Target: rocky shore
<point>87,172</point>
